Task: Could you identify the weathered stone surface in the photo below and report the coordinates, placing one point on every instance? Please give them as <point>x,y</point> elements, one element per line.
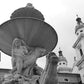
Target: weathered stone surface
<point>50,75</point>
<point>25,69</point>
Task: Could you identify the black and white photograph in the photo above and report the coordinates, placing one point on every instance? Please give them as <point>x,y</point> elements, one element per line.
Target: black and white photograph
<point>42,42</point>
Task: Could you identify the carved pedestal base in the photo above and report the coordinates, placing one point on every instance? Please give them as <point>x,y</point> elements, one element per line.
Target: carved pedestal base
<point>19,79</point>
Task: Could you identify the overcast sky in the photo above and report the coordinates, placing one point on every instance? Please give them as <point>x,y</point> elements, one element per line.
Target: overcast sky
<point>60,14</point>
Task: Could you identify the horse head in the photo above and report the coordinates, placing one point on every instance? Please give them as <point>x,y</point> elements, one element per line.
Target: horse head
<point>50,74</point>
<point>52,58</point>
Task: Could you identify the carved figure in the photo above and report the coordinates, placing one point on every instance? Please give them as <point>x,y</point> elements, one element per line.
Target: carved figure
<point>30,60</point>
<point>49,75</point>
<point>19,50</point>
<point>24,58</point>
<point>24,62</point>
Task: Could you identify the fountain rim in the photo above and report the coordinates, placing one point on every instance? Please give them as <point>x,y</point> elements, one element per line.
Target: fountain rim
<point>34,19</point>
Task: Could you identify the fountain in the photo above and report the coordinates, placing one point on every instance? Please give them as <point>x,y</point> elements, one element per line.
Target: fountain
<point>26,37</point>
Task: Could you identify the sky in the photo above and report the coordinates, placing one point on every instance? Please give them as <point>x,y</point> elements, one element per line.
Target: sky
<point>60,14</point>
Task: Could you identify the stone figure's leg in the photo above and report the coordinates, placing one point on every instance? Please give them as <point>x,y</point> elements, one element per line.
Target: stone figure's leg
<point>26,71</point>
<point>14,69</point>
<point>13,65</point>
<point>19,65</point>
<point>13,62</point>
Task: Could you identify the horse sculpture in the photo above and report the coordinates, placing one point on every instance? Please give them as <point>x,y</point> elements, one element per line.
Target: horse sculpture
<point>49,75</point>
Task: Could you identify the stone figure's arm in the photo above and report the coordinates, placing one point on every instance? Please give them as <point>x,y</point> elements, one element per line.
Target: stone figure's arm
<point>41,51</point>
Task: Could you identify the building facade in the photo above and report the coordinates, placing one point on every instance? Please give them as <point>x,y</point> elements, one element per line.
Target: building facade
<point>79,48</point>
<point>65,73</point>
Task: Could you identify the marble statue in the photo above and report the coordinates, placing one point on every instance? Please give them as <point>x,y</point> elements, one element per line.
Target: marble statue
<point>19,50</point>
<point>22,57</point>
<point>25,70</point>
<point>30,60</point>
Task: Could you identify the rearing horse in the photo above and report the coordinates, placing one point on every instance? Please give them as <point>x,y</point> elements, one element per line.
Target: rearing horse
<point>49,75</point>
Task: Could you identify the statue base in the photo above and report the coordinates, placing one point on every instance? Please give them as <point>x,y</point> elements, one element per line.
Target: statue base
<point>20,79</point>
